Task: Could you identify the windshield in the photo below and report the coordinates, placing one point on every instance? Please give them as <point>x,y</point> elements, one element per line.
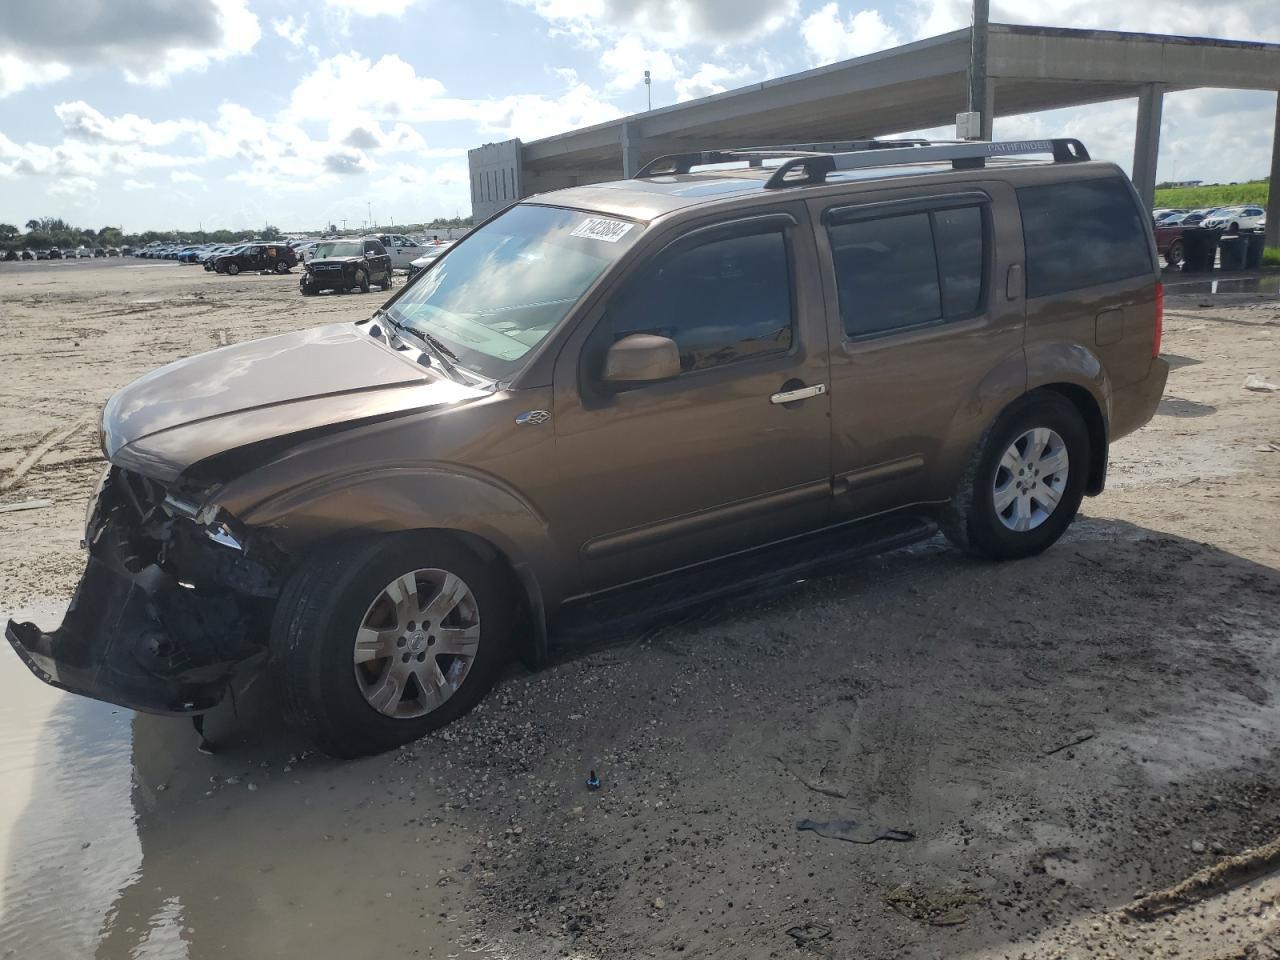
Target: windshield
<point>350,248</point>
<point>493,297</point>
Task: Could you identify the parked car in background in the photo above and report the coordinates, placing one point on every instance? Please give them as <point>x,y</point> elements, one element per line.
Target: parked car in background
<point>1163,214</point>
<point>211,258</point>
<point>1170,243</point>
<point>1235,219</point>
<point>55,253</point>
<point>402,249</point>
<point>432,253</point>
<point>276,257</point>
<point>113,251</point>
<point>28,254</point>
<point>193,254</point>
<point>9,255</point>
<point>99,251</point>
<point>345,265</point>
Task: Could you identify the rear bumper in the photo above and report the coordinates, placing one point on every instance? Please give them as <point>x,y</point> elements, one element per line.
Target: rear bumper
<point>1133,406</point>
<point>141,640</point>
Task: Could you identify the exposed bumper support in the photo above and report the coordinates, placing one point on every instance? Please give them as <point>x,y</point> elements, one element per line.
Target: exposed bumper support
<point>141,640</point>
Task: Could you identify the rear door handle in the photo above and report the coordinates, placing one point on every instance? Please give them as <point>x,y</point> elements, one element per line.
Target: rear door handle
<point>802,393</point>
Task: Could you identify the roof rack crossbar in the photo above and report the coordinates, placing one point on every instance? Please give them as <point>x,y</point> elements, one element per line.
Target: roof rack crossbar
<point>816,160</point>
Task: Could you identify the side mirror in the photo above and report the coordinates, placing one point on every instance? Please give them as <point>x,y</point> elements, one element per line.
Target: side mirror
<point>641,358</point>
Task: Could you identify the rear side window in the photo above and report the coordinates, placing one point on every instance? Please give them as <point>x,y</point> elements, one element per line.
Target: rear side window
<point>374,247</point>
<point>1082,234</point>
<point>720,301</point>
<point>908,270</point>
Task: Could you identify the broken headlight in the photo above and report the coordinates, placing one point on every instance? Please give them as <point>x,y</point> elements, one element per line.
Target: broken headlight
<point>91,509</point>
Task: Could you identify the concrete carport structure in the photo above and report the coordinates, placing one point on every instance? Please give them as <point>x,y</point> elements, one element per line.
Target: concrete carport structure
<point>913,87</point>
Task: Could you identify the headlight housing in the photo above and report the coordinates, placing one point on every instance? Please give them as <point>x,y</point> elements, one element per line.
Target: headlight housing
<point>91,508</point>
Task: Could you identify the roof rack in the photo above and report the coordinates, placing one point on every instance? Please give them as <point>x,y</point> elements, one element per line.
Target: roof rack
<point>811,162</point>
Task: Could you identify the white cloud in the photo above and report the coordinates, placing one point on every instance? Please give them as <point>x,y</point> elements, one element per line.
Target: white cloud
<point>628,59</point>
<point>670,24</point>
<point>293,32</point>
<point>131,184</point>
<point>16,74</point>
<point>82,122</point>
<point>363,8</point>
<point>708,79</point>
<point>149,40</point>
<point>185,176</point>
<point>829,37</point>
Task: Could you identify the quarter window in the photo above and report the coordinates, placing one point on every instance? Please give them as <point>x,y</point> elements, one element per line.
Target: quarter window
<point>1081,234</point>
<point>908,270</point>
<point>720,301</point>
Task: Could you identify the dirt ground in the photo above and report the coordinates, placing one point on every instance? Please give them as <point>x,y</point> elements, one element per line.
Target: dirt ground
<point>1051,739</point>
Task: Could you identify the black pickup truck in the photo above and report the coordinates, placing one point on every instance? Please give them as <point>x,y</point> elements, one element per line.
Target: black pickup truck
<point>344,265</point>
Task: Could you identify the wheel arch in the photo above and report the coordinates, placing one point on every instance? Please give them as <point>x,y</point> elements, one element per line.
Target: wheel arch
<point>1095,422</point>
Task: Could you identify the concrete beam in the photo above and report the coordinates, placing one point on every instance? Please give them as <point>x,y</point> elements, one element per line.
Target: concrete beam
<point>1146,145</point>
<point>1273,195</point>
<point>988,108</point>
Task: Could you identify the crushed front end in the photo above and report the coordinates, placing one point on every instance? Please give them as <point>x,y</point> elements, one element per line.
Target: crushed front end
<point>172,604</point>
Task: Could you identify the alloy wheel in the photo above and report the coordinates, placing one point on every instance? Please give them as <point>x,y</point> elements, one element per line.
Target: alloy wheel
<point>416,643</point>
<point>1030,479</point>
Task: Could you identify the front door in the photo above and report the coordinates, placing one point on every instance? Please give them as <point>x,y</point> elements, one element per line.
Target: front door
<point>927,316</point>
<point>732,452</point>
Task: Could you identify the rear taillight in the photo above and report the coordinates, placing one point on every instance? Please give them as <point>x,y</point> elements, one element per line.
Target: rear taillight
<point>1155,344</point>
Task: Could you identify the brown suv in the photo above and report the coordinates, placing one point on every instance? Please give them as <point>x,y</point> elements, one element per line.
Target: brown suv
<point>782,357</point>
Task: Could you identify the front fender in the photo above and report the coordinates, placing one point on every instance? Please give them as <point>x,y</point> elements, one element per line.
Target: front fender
<point>415,496</point>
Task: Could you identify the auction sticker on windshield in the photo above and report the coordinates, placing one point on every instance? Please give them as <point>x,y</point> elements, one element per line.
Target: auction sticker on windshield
<point>602,228</point>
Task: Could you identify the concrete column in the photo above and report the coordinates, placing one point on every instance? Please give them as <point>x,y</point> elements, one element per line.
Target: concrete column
<point>988,108</point>
<point>1146,146</point>
<point>1273,196</point>
<point>630,152</point>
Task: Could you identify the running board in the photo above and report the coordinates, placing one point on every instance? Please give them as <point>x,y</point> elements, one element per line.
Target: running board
<point>629,611</point>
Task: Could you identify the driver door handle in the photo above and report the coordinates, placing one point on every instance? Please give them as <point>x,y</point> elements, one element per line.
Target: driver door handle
<point>802,393</point>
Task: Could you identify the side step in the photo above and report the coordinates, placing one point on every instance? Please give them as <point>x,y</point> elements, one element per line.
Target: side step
<point>634,610</point>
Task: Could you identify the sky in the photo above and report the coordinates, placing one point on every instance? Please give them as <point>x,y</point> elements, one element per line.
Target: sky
<point>156,114</point>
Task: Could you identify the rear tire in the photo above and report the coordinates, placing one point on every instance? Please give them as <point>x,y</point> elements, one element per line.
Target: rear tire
<point>1013,499</point>
<point>326,676</point>
<point>362,280</point>
<point>233,269</point>
<point>281,267</point>
<point>1174,255</point>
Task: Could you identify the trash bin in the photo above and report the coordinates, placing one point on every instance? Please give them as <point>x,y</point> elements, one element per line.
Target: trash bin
<point>1257,243</point>
<point>1199,247</point>
<point>1231,251</point>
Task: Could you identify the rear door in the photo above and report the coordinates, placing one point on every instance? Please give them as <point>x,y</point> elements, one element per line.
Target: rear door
<point>926,325</point>
<point>716,459</point>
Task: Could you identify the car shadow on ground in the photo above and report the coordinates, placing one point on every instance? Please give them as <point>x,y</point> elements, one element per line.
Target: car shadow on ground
<point>1055,734</point>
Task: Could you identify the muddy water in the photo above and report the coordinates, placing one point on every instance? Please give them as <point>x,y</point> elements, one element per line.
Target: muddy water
<point>119,840</point>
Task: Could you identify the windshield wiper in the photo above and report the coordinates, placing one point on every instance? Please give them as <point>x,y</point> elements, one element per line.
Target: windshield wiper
<point>439,352</point>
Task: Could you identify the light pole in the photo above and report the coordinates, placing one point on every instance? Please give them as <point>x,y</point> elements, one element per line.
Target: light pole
<point>648,88</point>
<point>978,66</point>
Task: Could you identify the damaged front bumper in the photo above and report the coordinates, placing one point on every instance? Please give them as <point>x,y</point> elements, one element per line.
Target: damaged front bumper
<point>154,625</point>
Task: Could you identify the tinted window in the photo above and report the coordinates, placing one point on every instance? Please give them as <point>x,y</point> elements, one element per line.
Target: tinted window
<point>374,247</point>
<point>719,301</point>
<point>958,235</point>
<point>1082,234</point>
<point>903,271</point>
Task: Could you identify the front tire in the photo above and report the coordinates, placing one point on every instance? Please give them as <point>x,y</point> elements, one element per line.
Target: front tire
<point>378,644</point>
<point>281,267</point>
<point>1024,481</point>
<point>1175,255</point>
<point>362,281</point>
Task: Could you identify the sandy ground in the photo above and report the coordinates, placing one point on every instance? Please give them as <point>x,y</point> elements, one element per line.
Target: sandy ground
<point>1056,736</point>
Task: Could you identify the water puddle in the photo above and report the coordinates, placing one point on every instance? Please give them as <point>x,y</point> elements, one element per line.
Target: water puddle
<point>119,841</point>
<point>1269,284</point>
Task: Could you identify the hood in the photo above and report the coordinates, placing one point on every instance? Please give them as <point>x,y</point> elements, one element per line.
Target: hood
<point>318,261</point>
<point>264,390</point>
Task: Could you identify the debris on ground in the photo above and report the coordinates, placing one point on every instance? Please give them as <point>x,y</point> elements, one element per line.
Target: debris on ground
<point>1075,739</point>
<point>1258,385</point>
<point>854,831</point>
<point>938,908</point>
<point>25,505</point>
<point>808,933</point>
